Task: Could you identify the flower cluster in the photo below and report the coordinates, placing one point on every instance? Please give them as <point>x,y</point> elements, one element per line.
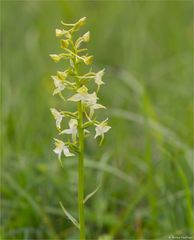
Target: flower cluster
<point>76,82</point>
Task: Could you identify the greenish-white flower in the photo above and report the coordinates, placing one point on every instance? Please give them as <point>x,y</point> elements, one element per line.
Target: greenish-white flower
<point>101,129</point>
<point>91,102</point>
<point>81,95</point>
<point>98,77</point>
<point>72,129</point>
<point>59,85</point>
<point>57,116</point>
<point>90,99</point>
<point>60,148</point>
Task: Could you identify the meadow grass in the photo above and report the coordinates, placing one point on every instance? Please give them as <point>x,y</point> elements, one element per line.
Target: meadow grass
<point>145,165</point>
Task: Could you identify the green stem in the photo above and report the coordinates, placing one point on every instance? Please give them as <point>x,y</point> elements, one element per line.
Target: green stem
<point>81,173</point>
<point>80,162</point>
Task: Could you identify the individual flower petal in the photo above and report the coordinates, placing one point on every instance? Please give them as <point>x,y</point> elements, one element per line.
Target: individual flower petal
<point>73,123</point>
<point>97,106</point>
<point>58,117</point>
<point>67,153</point>
<point>98,77</point>
<point>66,131</point>
<point>106,129</point>
<point>58,151</point>
<point>91,99</point>
<point>75,98</point>
<point>91,102</point>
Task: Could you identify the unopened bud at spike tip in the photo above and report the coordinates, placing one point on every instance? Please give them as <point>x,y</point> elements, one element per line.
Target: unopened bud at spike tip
<point>82,21</point>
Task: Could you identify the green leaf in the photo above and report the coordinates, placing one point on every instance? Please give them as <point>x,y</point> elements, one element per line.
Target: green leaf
<point>69,216</point>
<point>91,194</point>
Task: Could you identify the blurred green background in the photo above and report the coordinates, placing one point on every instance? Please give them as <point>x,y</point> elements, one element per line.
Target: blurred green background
<point>145,164</point>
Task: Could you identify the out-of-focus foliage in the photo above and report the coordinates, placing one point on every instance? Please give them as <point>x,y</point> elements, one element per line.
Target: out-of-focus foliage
<point>145,164</point>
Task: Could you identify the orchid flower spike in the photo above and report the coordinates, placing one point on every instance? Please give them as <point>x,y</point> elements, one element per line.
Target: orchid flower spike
<point>75,80</point>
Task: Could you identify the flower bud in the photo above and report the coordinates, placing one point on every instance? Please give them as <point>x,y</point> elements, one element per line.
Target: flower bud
<point>62,75</point>
<point>78,24</point>
<point>81,22</point>
<point>59,32</point>
<point>88,60</point>
<point>67,34</point>
<point>64,43</point>
<point>55,57</point>
<point>86,37</point>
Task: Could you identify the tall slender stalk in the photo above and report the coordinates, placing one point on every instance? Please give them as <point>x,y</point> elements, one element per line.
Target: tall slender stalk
<point>81,173</point>
<point>80,159</point>
<point>84,117</point>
